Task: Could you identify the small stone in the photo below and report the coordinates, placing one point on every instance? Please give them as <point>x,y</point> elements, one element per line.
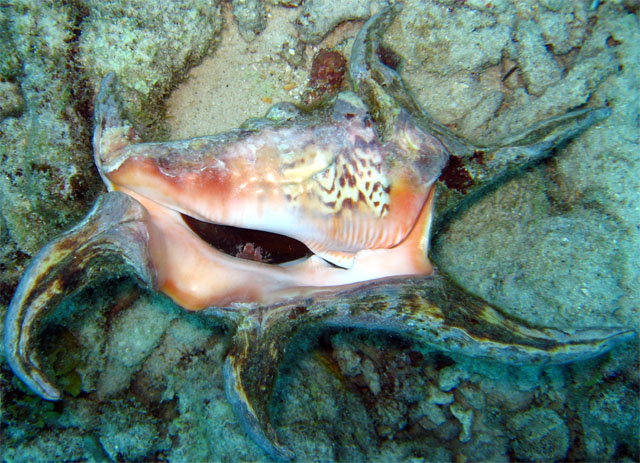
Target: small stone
<point>294,53</point>
<point>538,66</point>
<point>137,331</point>
<point>473,396</point>
<point>465,417</point>
<point>134,442</point>
<point>11,101</point>
<point>505,396</point>
<point>371,376</point>
<point>540,435</point>
<point>441,454</point>
<point>438,397</point>
<point>348,360</point>
<point>492,6</point>
<point>450,377</point>
<point>392,417</point>
<point>251,18</point>
<point>447,432</point>
<point>598,446</point>
<point>287,3</point>
<point>483,112</point>
<point>319,17</point>
<point>556,31</point>
<point>615,406</point>
<point>127,433</point>
<point>432,412</point>
<point>553,5</point>
<point>412,388</point>
<point>486,446</point>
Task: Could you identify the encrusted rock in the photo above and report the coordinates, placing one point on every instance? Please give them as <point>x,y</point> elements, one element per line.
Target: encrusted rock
<point>11,102</point>
<point>436,396</point>
<point>540,435</point>
<point>615,406</point>
<point>346,356</point>
<point>135,333</point>
<point>465,417</point>
<point>288,3</point>
<point>451,376</point>
<point>128,434</point>
<point>147,44</point>
<point>474,396</point>
<point>538,66</point>
<point>432,412</point>
<point>251,18</point>
<point>371,376</point>
<point>391,417</point>
<point>319,17</point>
<point>455,41</point>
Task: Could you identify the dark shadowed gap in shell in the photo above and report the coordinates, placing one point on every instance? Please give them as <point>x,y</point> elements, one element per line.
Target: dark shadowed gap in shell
<point>256,245</point>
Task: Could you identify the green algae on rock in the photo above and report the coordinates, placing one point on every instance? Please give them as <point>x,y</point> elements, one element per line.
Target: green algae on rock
<point>45,147</point>
<point>150,45</point>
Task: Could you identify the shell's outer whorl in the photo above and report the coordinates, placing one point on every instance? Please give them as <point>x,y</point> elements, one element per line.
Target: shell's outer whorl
<point>355,180</point>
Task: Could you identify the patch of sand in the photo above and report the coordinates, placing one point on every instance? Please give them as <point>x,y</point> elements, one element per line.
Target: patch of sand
<point>243,80</point>
<point>240,80</point>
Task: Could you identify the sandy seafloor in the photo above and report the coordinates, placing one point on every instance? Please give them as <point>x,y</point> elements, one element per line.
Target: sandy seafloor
<point>557,246</point>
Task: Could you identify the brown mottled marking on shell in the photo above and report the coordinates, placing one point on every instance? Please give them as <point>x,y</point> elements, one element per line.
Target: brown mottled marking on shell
<point>355,180</point>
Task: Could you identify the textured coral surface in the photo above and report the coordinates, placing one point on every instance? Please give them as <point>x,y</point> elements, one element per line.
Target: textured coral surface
<point>557,246</point>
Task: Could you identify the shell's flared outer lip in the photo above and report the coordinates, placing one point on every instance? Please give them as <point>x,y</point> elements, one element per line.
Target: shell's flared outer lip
<point>197,276</point>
